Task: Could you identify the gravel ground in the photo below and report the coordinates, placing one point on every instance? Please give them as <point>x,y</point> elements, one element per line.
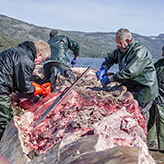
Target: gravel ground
<point>157,156</point>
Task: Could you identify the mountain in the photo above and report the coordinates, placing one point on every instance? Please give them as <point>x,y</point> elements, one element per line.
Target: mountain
<point>93,44</point>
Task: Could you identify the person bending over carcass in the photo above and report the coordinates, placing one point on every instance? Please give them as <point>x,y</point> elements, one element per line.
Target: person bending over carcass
<point>157,115</point>
<point>17,65</point>
<point>59,60</point>
<point>136,70</point>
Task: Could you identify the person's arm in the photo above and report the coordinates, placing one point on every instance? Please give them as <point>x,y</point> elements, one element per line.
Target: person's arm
<point>74,46</point>
<point>110,59</point>
<point>22,76</point>
<point>26,86</point>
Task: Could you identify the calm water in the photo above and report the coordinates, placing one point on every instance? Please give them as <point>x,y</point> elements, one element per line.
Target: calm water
<point>95,63</point>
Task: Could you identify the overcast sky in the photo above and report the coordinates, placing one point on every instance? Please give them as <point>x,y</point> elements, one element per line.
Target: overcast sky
<point>144,17</point>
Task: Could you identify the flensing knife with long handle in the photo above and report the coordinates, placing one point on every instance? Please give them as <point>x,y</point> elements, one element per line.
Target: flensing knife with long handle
<point>60,98</point>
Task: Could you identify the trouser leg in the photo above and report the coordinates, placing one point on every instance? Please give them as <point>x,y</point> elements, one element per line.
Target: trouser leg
<point>160,134</point>
<point>47,72</point>
<point>53,77</point>
<point>6,113</point>
<point>51,70</point>
<point>50,74</point>
<point>152,125</point>
<point>148,110</point>
<point>145,108</point>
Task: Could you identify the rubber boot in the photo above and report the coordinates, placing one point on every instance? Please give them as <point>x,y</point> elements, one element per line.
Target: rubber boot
<point>69,74</point>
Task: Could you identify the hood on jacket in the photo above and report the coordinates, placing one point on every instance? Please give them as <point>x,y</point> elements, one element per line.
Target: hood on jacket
<point>29,46</point>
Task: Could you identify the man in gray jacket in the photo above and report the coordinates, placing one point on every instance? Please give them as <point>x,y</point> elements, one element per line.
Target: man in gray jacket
<point>136,70</point>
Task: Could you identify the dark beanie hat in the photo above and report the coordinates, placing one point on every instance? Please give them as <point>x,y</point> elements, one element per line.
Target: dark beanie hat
<point>53,32</point>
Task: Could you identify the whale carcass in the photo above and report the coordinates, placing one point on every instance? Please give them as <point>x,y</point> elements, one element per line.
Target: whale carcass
<point>92,124</point>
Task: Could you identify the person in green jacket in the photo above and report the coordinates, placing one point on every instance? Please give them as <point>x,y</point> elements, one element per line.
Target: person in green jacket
<point>157,119</point>
<point>136,70</point>
<point>59,60</point>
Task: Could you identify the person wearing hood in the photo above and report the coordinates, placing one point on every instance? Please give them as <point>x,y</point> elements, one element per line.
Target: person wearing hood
<point>59,60</point>
<point>136,70</point>
<point>17,65</point>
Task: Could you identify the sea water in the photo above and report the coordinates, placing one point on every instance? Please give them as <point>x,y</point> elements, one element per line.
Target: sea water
<point>95,63</point>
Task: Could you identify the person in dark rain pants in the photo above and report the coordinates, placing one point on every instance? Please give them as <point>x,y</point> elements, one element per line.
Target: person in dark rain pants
<point>59,60</point>
<point>157,115</point>
<point>16,68</point>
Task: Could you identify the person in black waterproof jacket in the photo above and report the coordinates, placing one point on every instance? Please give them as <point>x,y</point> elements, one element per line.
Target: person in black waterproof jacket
<point>136,70</point>
<point>16,68</point>
<point>59,60</point>
<point>157,115</point>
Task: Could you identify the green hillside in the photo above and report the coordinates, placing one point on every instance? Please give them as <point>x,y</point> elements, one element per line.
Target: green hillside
<point>93,45</point>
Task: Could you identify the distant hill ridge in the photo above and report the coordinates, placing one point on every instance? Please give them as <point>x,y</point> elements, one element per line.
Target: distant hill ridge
<point>93,44</point>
